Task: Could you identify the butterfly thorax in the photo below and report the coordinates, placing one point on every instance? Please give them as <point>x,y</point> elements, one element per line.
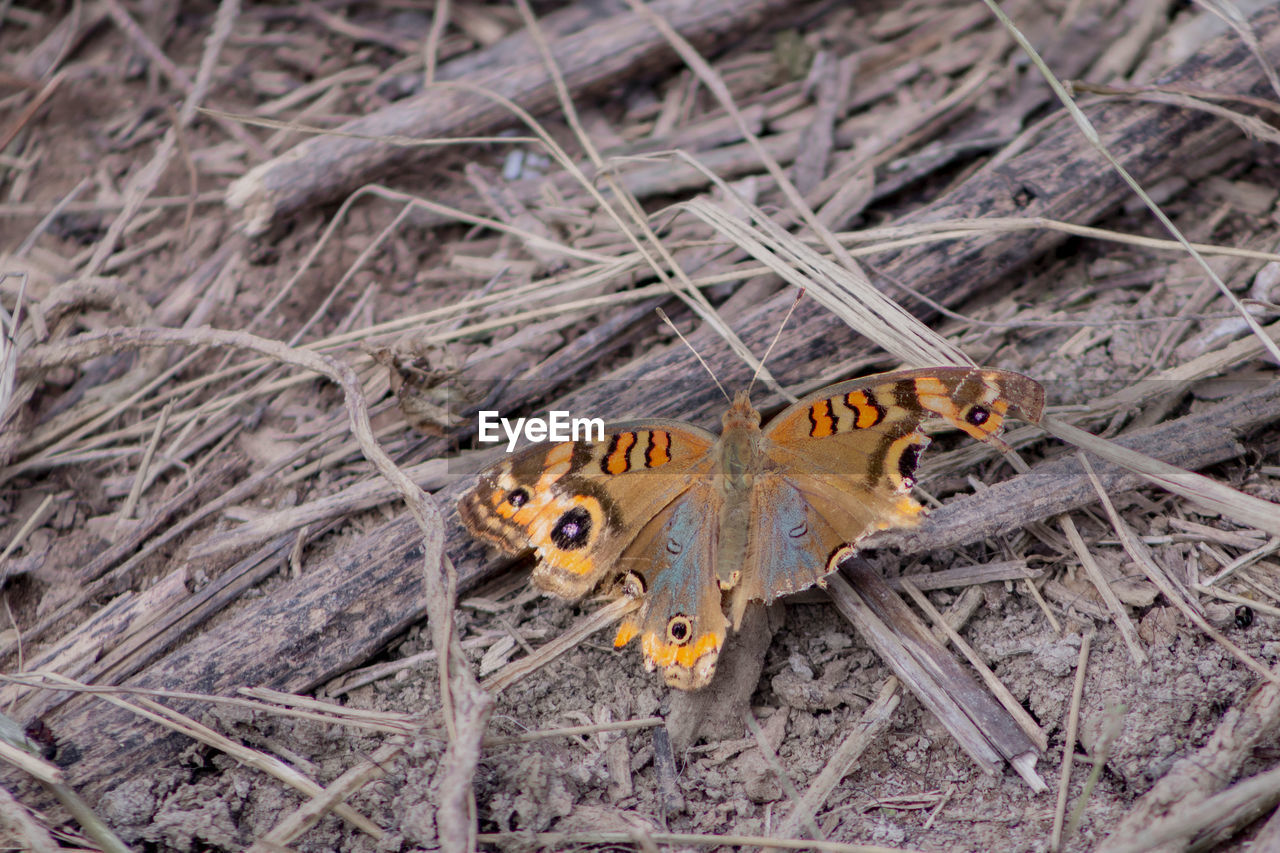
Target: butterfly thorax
<point>738,461</point>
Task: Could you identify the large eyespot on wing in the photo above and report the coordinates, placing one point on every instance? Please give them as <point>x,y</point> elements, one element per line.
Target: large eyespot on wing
<point>571,536</point>
<point>510,495</point>
<point>671,565</point>
<point>976,401</point>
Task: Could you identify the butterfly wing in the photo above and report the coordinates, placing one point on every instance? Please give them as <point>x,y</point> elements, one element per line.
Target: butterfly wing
<point>789,547</point>
<point>841,461</point>
<point>672,563</point>
<point>578,504</point>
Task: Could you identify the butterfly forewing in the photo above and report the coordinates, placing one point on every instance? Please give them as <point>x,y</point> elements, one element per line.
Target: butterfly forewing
<point>871,426</point>
<point>578,504</point>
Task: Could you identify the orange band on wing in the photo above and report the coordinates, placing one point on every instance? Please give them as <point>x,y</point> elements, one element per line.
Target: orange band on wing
<point>936,397</point>
<point>557,463</point>
<point>626,633</point>
<point>522,516</point>
<point>619,460</point>
<point>821,423</point>
<point>686,655</point>
<point>578,564</point>
<point>867,413</point>
<point>659,452</point>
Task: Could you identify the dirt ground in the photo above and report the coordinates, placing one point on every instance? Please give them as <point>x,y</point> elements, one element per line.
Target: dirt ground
<point>161,495</point>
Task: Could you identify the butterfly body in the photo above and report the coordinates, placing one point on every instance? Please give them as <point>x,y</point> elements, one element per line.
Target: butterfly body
<point>694,524</point>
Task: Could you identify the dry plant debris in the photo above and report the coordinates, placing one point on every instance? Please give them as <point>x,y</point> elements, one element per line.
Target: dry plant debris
<point>222,631</point>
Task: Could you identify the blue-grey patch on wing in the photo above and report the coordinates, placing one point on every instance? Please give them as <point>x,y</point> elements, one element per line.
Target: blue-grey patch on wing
<point>683,570</point>
<point>791,544</point>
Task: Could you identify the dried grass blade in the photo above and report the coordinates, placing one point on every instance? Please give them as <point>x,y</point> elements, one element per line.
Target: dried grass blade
<point>1141,555</point>
<point>27,833</point>
<point>716,85</point>
<point>1252,126</point>
<point>583,628</point>
<point>1024,720</point>
<point>571,840</point>
<point>274,767</point>
<point>9,349</point>
<point>922,683</point>
<point>892,237</point>
<point>1069,745</point>
<point>329,800</point>
<point>32,765</point>
<point>1223,595</point>
<point>796,202</point>
<point>845,292</point>
<point>664,270</point>
<point>784,779</point>
<point>968,576</point>
<point>1272,545</point>
<point>459,691</point>
<point>575,731</point>
<point>1118,614</point>
<point>874,720</point>
<point>32,522</point>
<point>1091,134</point>
<point>1200,490</point>
<point>1232,16</point>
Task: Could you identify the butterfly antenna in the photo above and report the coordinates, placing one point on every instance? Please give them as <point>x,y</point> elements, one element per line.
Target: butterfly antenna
<point>776,337</point>
<point>667,320</point>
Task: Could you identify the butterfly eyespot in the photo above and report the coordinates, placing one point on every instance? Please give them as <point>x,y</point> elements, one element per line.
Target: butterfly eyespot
<point>907,463</point>
<point>674,547</point>
<point>679,630</point>
<point>977,415</point>
<point>632,585</point>
<point>572,530</point>
<point>518,497</point>
<point>1244,616</point>
<point>799,531</point>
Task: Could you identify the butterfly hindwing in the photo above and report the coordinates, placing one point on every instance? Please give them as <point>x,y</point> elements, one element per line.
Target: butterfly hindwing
<point>789,549</point>
<point>681,623</point>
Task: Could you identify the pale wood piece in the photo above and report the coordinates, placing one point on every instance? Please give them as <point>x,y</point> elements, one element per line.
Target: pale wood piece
<point>592,51</point>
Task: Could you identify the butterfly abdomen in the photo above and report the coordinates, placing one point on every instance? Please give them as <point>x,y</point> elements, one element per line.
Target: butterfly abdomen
<point>740,461</point>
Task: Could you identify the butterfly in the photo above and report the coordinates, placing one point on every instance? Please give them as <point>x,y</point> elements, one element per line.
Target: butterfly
<point>695,526</point>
